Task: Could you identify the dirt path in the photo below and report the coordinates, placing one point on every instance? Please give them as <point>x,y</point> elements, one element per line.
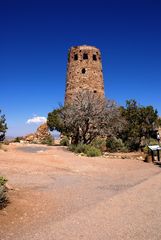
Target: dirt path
<point>59,195</point>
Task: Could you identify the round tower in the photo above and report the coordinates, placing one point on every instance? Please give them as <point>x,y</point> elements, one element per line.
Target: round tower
<point>84,72</point>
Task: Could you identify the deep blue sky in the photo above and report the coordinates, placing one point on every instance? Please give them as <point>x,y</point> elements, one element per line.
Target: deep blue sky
<point>36,35</point>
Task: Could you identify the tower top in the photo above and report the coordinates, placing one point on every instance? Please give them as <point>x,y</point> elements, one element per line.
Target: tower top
<point>84,47</point>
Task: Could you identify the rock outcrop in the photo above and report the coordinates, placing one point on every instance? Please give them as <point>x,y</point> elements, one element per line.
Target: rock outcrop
<point>42,135</point>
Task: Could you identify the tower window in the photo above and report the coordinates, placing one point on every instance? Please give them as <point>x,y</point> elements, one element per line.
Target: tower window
<point>75,57</point>
<point>94,57</point>
<point>83,70</point>
<point>85,56</point>
<point>95,91</point>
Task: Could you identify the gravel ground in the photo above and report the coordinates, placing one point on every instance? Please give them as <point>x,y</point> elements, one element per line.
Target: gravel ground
<point>58,195</point>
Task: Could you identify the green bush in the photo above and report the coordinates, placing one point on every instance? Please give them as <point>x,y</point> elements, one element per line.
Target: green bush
<point>17,139</point>
<point>88,150</point>
<point>99,143</point>
<point>72,147</point>
<point>81,148</point>
<point>48,141</point>
<point>3,180</point>
<point>64,141</point>
<point>3,193</point>
<point>153,141</point>
<point>92,151</point>
<point>3,197</point>
<point>115,145</point>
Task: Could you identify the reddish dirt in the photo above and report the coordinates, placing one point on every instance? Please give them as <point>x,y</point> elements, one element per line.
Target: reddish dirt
<point>54,185</point>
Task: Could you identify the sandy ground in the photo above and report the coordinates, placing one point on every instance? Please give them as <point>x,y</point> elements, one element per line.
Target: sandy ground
<point>58,195</point>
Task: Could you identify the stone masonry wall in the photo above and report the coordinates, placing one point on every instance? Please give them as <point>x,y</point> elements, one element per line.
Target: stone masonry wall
<point>84,71</point>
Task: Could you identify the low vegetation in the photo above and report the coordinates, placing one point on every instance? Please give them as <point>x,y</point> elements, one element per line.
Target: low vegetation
<point>99,143</point>
<point>92,151</point>
<point>64,141</point>
<point>85,149</point>
<point>3,193</point>
<point>17,139</point>
<point>114,144</point>
<point>48,141</point>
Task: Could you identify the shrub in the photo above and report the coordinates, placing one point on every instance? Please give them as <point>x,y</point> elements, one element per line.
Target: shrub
<point>88,150</point>
<point>17,139</point>
<point>114,145</point>
<point>72,147</point>
<point>153,141</point>
<point>3,197</point>
<point>3,180</point>
<point>3,193</point>
<point>92,151</point>
<point>64,141</point>
<point>99,143</point>
<point>81,148</point>
<point>48,141</point>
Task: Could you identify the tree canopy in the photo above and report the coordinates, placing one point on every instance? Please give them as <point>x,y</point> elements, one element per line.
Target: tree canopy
<point>141,123</point>
<point>90,116</point>
<point>3,126</point>
<point>86,118</point>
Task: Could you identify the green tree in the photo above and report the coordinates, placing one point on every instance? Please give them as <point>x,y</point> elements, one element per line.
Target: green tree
<point>55,121</point>
<point>141,122</point>
<point>3,127</point>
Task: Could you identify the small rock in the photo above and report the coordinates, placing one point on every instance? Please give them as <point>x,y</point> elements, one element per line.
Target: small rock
<point>140,158</point>
<point>9,187</point>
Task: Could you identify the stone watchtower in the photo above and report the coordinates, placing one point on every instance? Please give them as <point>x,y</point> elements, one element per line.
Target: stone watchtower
<point>84,72</point>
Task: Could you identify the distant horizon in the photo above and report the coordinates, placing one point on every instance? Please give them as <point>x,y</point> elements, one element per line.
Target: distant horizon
<point>55,134</point>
